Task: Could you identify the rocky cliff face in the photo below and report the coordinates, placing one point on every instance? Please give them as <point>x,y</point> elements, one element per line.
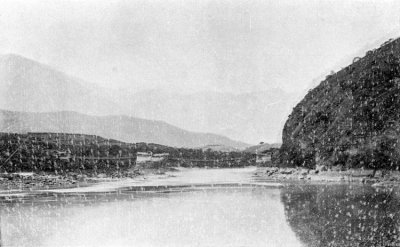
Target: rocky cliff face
<point>352,118</point>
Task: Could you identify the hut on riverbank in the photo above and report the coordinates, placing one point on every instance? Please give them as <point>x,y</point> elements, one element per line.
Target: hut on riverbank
<point>150,160</point>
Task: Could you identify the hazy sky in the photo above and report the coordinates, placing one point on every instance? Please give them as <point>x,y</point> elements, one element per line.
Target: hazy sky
<point>233,46</point>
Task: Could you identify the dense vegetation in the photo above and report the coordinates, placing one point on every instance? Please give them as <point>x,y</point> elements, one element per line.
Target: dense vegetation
<point>62,153</point>
<point>352,118</point>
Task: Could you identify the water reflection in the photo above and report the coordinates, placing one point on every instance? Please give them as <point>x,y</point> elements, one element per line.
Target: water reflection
<point>227,211</point>
<point>171,216</point>
<point>343,215</point>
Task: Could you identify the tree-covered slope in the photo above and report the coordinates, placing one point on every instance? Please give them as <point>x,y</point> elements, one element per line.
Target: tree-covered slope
<point>352,118</point>
<point>68,152</point>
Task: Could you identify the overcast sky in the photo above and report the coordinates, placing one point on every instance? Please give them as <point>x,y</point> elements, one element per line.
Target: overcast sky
<point>233,46</point>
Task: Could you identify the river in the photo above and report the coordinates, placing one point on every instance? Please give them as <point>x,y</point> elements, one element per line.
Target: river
<point>203,207</point>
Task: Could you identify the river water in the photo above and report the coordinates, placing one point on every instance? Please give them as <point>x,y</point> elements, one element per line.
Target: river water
<point>203,207</point>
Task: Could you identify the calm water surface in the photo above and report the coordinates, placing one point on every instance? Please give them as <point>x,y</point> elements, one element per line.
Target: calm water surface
<point>226,207</point>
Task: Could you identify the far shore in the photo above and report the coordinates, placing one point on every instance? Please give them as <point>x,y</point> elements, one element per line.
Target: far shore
<point>30,182</point>
<point>27,182</point>
<point>364,176</point>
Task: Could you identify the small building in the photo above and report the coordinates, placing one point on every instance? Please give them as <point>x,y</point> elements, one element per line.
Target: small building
<point>159,157</point>
<point>62,155</point>
<point>149,159</point>
<point>266,157</point>
<point>263,157</point>
<point>143,157</point>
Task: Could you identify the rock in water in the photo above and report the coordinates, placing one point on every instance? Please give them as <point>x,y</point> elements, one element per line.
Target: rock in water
<point>352,118</point>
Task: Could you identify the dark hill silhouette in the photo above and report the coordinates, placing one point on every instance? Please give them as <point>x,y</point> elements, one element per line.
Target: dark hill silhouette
<point>352,118</point>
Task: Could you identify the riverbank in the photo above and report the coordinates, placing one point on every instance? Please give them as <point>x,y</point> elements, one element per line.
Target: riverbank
<point>148,179</point>
<point>381,178</point>
<point>11,182</point>
<point>30,181</point>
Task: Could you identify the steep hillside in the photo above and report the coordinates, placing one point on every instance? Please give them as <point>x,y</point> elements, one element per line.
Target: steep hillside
<point>352,118</point>
<point>121,128</point>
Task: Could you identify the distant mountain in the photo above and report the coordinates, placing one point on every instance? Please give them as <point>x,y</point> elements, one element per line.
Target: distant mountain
<point>26,85</point>
<point>261,147</point>
<point>220,148</point>
<point>249,117</point>
<point>119,127</point>
<point>29,86</point>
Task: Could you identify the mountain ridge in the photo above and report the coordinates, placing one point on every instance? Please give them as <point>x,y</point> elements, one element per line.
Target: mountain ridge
<point>119,127</point>
<point>30,86</point>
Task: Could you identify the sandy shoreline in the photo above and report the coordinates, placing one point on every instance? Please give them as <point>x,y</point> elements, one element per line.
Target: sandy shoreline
<point>12,183</point>
<point>156,180</point>
<point>381,178</point>
<point>29,183</point>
